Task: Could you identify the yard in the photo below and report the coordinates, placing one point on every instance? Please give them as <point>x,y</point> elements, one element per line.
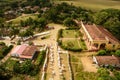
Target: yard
<point>79,69</point>
<point>74,43</point>
<point>70,33</point>
<point>72,40</point>
<point>71,43</point>
<point>93,4</point>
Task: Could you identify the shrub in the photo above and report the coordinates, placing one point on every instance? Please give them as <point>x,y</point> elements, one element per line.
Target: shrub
<point>60,33</point>
<point>102,52</point>
<point>117,53</point>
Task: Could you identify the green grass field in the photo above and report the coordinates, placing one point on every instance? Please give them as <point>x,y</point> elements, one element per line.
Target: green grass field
<point>70,33</point>
<point>71,43</point>
<point>26,16</point>
<point>93,4</point>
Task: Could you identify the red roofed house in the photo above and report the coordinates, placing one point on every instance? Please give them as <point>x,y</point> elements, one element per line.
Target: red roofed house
<point>24,51</point>
<point>99,38</point>
<point>107,60</point>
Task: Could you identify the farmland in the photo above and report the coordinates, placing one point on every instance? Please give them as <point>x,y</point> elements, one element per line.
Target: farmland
<point>93,4</point>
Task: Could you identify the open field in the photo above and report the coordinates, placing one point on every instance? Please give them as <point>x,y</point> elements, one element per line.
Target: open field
<point>23,17</point>
<point>93,4</point>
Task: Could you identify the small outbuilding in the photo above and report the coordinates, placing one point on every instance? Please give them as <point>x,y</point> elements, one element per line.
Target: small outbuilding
<point>106,61</point>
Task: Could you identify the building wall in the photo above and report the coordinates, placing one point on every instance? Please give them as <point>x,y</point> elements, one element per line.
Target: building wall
<point>112,46</point>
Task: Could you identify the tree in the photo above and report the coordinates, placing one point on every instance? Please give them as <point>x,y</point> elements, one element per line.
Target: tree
<point>14,31</point>
<point>117,75</point>
<point>27,66</point>
<point>109,18</point>
<point>24,67</point>
<point>16,67</point>
<point>69,22</point>
<point>51,14</point>
<point>104,74</point>
<point>14,4</point>
<point>102,52</point>
<point>117,53</point>
<point>26,33</point>
<point>42,22</point>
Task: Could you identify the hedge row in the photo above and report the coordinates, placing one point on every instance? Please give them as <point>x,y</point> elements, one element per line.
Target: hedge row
<point>40,58</point>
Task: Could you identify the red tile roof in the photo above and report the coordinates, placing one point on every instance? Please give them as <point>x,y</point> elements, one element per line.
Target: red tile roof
<point>94,32</point>
<point>107,60</point>
<point>111,38</point>
<point>24,51</point>
<point>100,33</point>
<point>28,52</point>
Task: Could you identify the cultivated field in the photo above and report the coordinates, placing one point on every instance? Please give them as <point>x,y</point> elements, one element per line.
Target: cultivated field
<point>93,4</point>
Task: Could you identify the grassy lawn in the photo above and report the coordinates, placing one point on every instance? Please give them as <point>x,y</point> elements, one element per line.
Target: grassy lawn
<point>93,4</point>
<point>71,43</point>
<point>18,19</point>
<point>70,33</point>
<point>77,69</point>
<point>74,43</point>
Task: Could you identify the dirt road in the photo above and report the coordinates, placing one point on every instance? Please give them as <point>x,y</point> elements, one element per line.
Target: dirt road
<point>52,41</point>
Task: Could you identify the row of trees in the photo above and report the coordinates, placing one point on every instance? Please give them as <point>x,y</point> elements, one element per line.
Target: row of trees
<point>107,52</point>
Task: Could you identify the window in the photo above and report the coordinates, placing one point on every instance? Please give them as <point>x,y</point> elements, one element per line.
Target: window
<point>113,46</point>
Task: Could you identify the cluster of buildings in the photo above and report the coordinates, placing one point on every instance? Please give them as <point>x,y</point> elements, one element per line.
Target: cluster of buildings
<point>96,38</point>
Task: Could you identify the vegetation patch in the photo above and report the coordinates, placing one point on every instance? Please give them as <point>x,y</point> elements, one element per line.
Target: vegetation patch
<point>77,69</point>
<point>23,18</point>
<point>70,33</point>
<point>10,63</point>
<point>71,45</point>
<point>82,44</point>
<point>4,49</point>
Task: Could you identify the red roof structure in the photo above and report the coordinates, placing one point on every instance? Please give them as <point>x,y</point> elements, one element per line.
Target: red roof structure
<point>100,33</point>
<point>107,60</point>
<point>111,38</point>
<point>24,51</point>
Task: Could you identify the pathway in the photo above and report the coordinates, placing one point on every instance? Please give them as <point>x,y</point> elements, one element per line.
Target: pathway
<point>52,41</point>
